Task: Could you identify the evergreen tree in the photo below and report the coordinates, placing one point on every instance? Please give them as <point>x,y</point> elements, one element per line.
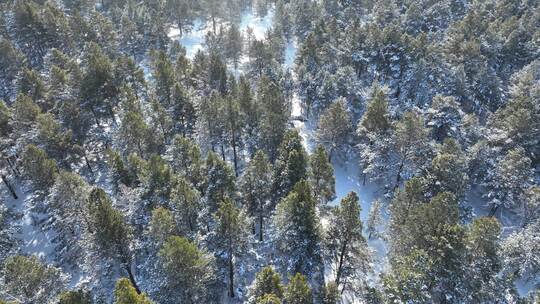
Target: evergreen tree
<point>321,176</point>
<point>255,191</point>
<point>38,167</point>
<point>346,246</point>
<point>291,164</point>
<point>97,88</point>
<point>511,177</point>
<point>267,282</point>
<point>411,145</point>
<point>187,160</point>
<point>374,133</point>
<point>297,230</point>
<point>112,234</point>
<point>189,272</point>
<point>162,225</point>
<point>185,203</point>
<point>335,129</point>
<point>231,237</point>
<point>375,220</point>
<point>298,291</point>
<point>75,297</point>
<point>220,182</point>
<point>30,280</point>
<point>449,169</point>
<point>275,115</point>
<point>69,216</point>
<point>124,293</point>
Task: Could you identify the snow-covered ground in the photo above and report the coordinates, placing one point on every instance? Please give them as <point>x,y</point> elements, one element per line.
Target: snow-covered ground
<point>194,40</point>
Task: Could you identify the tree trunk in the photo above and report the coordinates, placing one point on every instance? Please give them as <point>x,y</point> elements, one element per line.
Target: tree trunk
<point>95,116</point>
<point>398,177</point>
<point>231,276</point>
<point>235,157</point>
<point>4,179</point>
<point>260,227</point>
<point>132,278</point>
<point>341,260</point>
<point>222,152</point>
<point>87,162</point>
<point>493,210</point>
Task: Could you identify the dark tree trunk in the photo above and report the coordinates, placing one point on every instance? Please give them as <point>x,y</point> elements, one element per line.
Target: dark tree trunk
<point>260,227</point>
<point>87,162</point>
<point>341,260</point>
<point>235,157</point>
<point>231,276</point>
<point>132,277</point>
<point>4,179</point>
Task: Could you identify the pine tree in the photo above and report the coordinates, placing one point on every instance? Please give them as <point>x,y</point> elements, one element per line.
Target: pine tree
<point>112,234</point>
<point>189,272</point>
<point>185,203</point>
<point>267,282</point>
<point>162,225</point>
<point>374,132</point>
<point>5,117</point>
<point>97,87</point>
<point>298,291</point>
<point>231,237</point>
<point>32,281</point>
<point>321,176</point>
<point>485,285</point>
<point>58,142</point>
<point>335,129</point>
<point>449,169</point>
<point>274,118</point>
<point>411,145</point>
<point>374,220</point>
<point>25,111</point>
<point>187,160</point>
<point>255,191</point>
<point>346,246</point>
<point>521,252</point>
<point>220,182</point>
<point>75,297</point>
<point>297,229</point>
<point>69,216</point>
<point>125,293</point>
<point>234,44</point>
<point>291,164</point>
<point>38,167</point>
<point>511,177</point>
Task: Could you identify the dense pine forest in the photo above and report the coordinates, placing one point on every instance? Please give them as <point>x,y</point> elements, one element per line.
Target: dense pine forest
<point>269,151</point>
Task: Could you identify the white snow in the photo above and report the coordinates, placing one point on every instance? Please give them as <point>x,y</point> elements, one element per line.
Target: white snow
<point>193,41</point>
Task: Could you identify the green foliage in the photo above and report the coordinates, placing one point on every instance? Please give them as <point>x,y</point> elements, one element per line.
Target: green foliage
<point>268,299</point>
<point>5,117</point>
<point>75,297</point>
<point>347,248</point>
<point>25,111</point>
<point>38,167</point>
<point>267,282</point>
<point>220,181</point>
<point>298,228</point>
<point>25,277</point>
<point>162,224</point>
<point>125,293</point>
<point>107,223</point>
<point>291,164</point>
<point>185,202</point>
<point>321,176</point>
<point>335,128</point>
<point>189,271</point>
<point>298,291</point>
